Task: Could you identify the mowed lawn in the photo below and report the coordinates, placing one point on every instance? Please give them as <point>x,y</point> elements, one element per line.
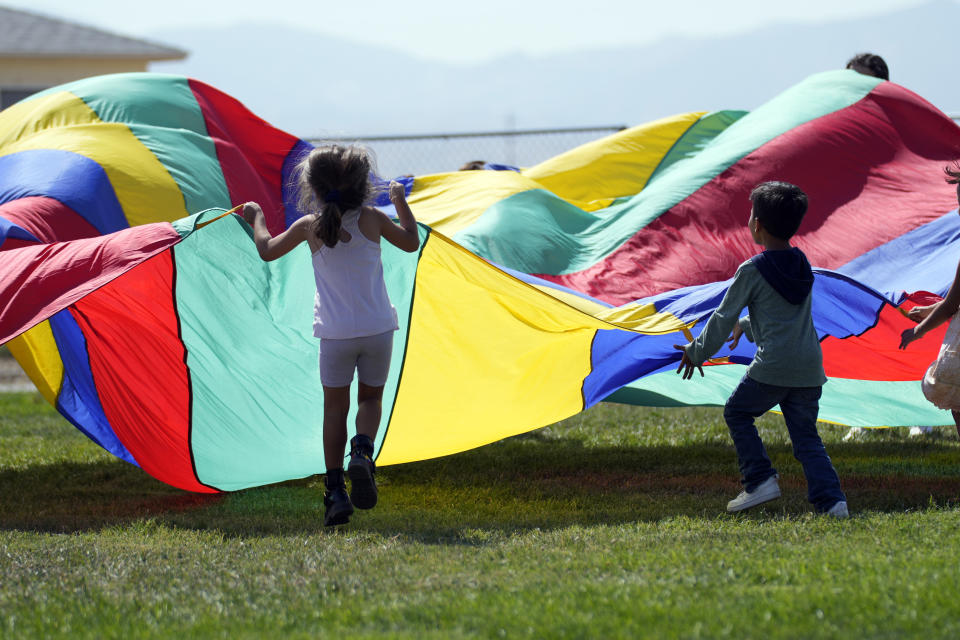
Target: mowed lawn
<point>610,524</point>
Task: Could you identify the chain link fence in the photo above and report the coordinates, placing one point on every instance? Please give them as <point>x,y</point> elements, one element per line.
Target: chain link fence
<point>419,155</point>
<point>442,152</point>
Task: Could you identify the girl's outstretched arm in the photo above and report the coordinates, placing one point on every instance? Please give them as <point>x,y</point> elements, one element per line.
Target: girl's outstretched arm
<point>945,309</point>
<point>268,247</point>
<point>406,236</point>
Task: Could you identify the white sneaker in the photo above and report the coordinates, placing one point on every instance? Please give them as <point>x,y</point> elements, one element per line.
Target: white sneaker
<point>765,492</point>
<point>839,510</point>
<point>920,431</point>
<point>855,433</point>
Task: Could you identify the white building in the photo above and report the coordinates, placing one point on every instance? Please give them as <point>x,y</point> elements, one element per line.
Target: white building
<point>38,52</point>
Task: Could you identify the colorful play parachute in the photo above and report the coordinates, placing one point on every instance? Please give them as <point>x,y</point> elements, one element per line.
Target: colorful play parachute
<point>146,316</point>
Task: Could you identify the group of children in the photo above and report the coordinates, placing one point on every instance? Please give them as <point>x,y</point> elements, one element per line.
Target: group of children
<point>355,321</point>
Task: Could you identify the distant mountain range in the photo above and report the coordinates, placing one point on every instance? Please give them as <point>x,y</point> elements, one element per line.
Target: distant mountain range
<point>315,85</point>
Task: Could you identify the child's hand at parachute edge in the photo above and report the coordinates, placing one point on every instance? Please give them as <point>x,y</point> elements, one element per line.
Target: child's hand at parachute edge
<point>734,338</point>
<point>686,363</point>
<point>919,313</point>
<point>397,192</point>
<point>250,211</point>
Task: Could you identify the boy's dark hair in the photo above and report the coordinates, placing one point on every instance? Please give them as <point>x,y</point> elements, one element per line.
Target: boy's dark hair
<point>869,64</point>
<point>473,165</point>
<point>953,176</point>
<point>779,206</point>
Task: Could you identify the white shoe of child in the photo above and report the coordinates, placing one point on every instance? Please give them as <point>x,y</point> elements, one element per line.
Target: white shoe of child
<point>920,431</point>
<point>854,433</point>
<point>766,491</point>
<point>839,510</point>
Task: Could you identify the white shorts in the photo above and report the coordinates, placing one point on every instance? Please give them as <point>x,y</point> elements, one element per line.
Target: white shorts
<point>369,355</point>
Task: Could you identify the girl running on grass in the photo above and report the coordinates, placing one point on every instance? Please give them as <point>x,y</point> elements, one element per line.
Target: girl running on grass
<point>941,383</point>
<point>353,316</point>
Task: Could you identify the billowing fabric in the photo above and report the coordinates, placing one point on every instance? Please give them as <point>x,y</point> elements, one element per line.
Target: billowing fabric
<point>148,319</point>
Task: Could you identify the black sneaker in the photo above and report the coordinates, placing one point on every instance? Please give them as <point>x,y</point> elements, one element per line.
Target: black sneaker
<point>363,486</point>
<point>336,500</point>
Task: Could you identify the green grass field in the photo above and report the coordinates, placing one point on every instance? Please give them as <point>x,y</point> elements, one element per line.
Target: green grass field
<point>610,524</point>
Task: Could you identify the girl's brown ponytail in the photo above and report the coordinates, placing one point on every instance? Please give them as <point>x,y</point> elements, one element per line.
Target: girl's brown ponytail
<point>328,224</point>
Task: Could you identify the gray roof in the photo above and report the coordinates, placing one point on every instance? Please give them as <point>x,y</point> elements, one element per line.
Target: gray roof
<point>24,34</point>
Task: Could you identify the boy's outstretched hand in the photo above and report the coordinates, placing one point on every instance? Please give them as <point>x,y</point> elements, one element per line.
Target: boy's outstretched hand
<point>734,339</point>
<point>687,364</point>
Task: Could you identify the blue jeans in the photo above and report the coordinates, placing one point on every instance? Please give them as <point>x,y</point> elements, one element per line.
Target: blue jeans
<point>800,406</point>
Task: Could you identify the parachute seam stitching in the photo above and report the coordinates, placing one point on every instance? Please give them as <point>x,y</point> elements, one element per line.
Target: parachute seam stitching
<point>176,313</point>
<point>406,343</point>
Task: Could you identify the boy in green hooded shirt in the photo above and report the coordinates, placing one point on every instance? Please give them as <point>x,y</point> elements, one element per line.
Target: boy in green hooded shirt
<point>787,370</point>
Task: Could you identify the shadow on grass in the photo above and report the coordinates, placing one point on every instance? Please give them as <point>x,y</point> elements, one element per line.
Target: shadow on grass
<point>524,483</point>
<point>70,497</point>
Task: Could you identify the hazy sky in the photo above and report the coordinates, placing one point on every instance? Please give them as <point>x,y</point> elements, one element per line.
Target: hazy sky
<point>451,31</point>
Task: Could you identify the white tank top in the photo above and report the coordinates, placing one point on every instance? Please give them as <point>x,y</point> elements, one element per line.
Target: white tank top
<point>351,299</point>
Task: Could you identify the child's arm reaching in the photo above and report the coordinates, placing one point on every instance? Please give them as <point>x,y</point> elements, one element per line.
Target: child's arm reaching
<point>719,327</point>
<point>268,247</point>
<point>918,313</point>
<point>943,311</point>
<point>406,235</point>
<point>738,331</point>
<point>687,365</point>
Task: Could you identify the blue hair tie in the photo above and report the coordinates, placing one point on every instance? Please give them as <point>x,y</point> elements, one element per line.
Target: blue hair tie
<point>332,196</point>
